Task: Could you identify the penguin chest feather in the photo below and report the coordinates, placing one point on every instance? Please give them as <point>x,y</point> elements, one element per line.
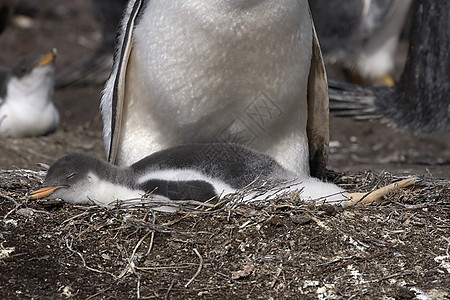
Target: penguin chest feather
<point>213,71</point>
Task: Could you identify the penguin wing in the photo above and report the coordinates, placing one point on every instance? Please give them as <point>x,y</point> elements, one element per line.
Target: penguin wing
<point>317,127</point>
<point>113,93</point>
<point>199,190</point>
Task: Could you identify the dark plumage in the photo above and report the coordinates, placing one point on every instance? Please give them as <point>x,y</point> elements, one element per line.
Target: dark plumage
<point>6,11</point>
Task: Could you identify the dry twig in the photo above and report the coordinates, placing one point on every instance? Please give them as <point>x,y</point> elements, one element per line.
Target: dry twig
<point>69,246</point>
<point>200,266</point>
<point>169,289</point>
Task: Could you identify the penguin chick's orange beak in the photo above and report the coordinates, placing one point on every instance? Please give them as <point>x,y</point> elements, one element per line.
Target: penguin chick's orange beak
<point>44,192</point>
<point>48,58</point>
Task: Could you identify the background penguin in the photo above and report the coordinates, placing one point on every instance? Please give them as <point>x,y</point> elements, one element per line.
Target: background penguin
<point>95,69</point>
<point>420,103</point>
<point>248,72</point>
<point>26,106</point>
<point>188,172</point>
<point>361,36</point>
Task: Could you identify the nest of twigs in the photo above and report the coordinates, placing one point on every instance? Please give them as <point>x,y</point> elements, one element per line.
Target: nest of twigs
<point>280,248</point>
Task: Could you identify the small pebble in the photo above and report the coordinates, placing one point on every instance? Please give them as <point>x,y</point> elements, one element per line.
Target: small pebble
<point>301,220</point>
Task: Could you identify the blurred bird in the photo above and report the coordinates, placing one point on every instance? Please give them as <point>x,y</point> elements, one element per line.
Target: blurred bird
<point>95,69</point>
<point>26,91</point>
<point>361,36</point>
<point>420,103</point>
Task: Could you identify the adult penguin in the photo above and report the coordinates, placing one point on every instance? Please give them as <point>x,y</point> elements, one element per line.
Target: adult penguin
<point>242,71</point>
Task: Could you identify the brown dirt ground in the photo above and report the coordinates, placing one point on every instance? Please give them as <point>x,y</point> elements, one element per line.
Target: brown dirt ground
<point>284,249</point>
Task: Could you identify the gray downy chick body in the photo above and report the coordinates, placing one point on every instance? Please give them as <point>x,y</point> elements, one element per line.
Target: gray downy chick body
<point>188,172</point>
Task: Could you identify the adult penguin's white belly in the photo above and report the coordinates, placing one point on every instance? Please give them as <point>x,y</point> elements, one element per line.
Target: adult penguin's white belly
<point>216,70</point>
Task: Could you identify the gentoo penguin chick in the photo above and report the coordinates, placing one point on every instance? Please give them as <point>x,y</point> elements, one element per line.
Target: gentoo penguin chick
<point>26,106</point>
<point>202,71</point>
<point>187,172</point>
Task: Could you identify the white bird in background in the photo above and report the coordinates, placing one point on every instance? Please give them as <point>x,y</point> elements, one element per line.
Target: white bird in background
<point>26,91</point>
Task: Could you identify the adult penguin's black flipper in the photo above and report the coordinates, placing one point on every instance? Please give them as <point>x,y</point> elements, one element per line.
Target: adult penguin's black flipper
<point>113,94</point>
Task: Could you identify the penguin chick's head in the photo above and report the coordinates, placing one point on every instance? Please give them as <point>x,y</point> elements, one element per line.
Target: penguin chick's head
<point>75,178</point>
<point>32,70</point>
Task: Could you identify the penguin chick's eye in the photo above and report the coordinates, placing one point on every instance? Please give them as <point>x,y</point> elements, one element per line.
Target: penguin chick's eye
<point>70,176</point>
